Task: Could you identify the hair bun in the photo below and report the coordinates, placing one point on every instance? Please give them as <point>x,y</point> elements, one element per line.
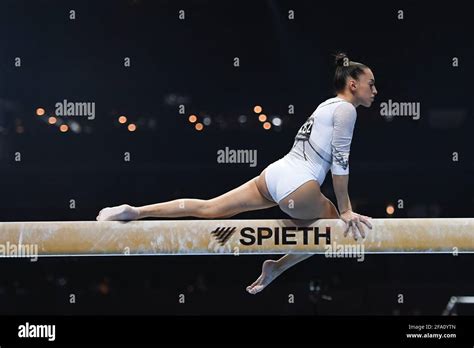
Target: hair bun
<point>341,58</point>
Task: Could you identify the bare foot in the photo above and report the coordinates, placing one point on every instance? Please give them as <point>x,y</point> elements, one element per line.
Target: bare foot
<point>122,212</point>
<point>269,272</point>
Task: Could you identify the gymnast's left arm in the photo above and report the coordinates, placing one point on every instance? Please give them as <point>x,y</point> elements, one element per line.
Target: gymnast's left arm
<point>344,122</point>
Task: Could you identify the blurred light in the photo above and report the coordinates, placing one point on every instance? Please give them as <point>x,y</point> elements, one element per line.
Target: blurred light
<point>75,127</point>
<point>390,209</point>
<point>276,121</point>
<point>122,119</point>
<point>192,118</point>
<point>242,119</point>
<point>175,99</point>
<point>40,111</point>
<point>267,125</point>
<point>64,128</point>
<point>262,118</point>
<point>52,120</point>
<point>199,126</point>
<point>152,123</point>
<point>207,121</point>
<point>104,288</point>
<point>132,127</point>
<point>257,109</point>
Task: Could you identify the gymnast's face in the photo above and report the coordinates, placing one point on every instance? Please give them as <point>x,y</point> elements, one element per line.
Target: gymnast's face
<point>364,88</point>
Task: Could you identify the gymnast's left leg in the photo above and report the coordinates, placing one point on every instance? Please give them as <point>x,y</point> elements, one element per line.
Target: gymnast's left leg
<point>246,197</point>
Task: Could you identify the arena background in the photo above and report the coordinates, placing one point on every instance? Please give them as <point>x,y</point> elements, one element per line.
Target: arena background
<point>427,163</point>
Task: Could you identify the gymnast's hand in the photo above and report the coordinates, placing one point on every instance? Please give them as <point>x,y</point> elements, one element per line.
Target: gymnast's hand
<point>354,223</point>
<point>122,212</point>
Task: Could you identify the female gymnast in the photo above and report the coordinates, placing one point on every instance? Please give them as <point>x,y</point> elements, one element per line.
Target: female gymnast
<point>292,182</point>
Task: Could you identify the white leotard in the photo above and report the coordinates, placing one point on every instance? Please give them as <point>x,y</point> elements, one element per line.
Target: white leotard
<point>321,144</point>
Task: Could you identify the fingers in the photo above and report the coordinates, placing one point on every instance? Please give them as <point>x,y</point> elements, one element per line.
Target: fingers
<point>366,221</point>
<point>361,229</point>
<point>355,226</point>
<point>354,231</point>
<point>351,227</point>
<point>348,226</point>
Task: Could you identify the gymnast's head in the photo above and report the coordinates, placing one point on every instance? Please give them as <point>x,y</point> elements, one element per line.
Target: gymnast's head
<point>355,80</point>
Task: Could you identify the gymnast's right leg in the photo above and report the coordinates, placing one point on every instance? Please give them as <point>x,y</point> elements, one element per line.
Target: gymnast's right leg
<point>306,203</point>
<point>243,198</point>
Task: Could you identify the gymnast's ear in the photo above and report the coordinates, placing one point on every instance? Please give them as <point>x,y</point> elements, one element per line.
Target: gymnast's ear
<point>352,84</point>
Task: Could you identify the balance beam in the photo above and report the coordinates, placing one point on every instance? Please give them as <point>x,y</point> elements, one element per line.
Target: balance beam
<point>235,237</point>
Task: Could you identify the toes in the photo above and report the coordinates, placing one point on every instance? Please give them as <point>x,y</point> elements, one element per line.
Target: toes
<point>256,286</point>
<point>256,289</point>
<point>259,279</point>
<point>100,216</point>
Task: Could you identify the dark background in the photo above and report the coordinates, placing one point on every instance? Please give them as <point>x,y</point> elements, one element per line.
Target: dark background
<point>190,62</point>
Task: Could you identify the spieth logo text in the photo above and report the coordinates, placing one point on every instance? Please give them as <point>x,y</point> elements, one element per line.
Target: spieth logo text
<point>277,235</point>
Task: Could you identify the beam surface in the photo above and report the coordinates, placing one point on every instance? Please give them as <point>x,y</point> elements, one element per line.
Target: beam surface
<point>203,237</point>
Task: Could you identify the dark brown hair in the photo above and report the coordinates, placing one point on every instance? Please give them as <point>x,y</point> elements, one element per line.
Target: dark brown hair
<point>344,69</point>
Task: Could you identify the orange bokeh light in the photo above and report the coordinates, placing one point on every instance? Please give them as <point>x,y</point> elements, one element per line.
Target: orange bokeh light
<point>390,209</point>
<point>257,109</point>
<point>199,126</point>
